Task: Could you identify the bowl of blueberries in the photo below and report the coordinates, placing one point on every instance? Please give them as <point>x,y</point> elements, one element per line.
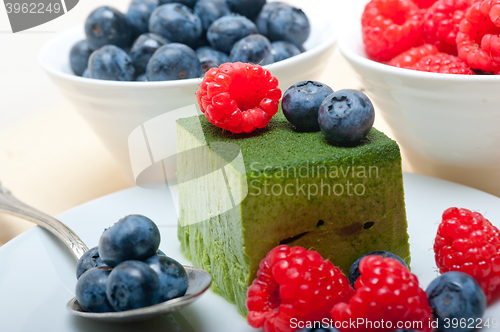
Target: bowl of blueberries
<point>120,70</point>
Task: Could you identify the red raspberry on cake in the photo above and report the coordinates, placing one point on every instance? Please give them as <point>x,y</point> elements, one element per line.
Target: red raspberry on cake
<point>469,243</point>
<point>441,22</point>
<point>294,283</point>
<point>478,39</point>
<point>388,292</point>
<point>239,97</point>
<point>390,27</point>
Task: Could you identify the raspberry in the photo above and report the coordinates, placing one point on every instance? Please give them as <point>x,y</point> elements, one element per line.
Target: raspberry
<point>427,58</point>
<point>441,23</point>
<point>385,292</point>
<point>409,59</point>
<point>390,27</point>
<point>239,97</point>
<point>469,243</point>
<point>294,283</point>
<point>424,3</point>
<point>478,39</point>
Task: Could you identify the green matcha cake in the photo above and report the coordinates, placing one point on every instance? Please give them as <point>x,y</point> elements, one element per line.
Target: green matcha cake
<point>289,188</point>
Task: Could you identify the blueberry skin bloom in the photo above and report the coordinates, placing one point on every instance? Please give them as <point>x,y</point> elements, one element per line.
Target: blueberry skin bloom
<point>143,49</point>
<point>91,290</point>
<point>210,58</point>
<point>346,117</point>
<point>107,26</point>
<point>173,62</point>
<point>301,103</point>
<point>138,15</point>
<point>354,270</point>
<point>210,10</point>
<point>172,275</point>
<point>88,260</point>
<point>283,50</point>
<point>248,8</point>
<point>254,49</point>
<point>134,237</point>
<point>79,56</point>
<point>456,295</point>
<point>189,3</point>
<point>227,30</point>
<point>132,285</point>
<point>177,23</point>
<point>289,24</point>
<point>111,63</point>
<point>263,18</point>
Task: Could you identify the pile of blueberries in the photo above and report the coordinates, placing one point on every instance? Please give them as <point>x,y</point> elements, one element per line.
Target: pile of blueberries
<point>161,40</point>
<point>345,117</point>
<point>127,271</point>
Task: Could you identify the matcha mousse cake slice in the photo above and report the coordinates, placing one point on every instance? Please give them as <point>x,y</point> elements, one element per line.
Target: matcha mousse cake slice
<point>288,188</point>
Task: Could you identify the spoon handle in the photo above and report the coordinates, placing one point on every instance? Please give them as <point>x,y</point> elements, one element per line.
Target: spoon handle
<point>12,205</point>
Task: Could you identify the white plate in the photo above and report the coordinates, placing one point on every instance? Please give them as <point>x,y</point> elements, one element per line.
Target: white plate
<point>37,273</point>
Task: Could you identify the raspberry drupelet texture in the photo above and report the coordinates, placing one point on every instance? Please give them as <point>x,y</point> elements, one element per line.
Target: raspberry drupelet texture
<point>386,290</point>
<point>390,27</point>
<point>294,283</point>
<point>478,39</point>
<point>239,97</point>
<point>424,3</point>
<point>428,58</point>
<point>441,22</point>
<point>469,243</point>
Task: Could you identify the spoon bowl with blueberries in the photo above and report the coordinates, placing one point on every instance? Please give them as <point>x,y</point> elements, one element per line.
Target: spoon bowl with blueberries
<point>126,277</point>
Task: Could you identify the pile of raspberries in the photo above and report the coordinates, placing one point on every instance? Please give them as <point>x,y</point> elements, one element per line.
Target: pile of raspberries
<point>443,36</point>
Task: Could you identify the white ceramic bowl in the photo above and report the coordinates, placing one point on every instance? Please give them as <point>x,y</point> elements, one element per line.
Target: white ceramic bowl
<point>447,125</point>
<point>115,109</point>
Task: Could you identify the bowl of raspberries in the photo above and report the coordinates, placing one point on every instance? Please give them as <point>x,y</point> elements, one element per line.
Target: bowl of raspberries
<point>432,67</point>
<point>121,69</point>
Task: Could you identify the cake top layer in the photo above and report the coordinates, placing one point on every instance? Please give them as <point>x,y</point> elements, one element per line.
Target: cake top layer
<point>278,145</point>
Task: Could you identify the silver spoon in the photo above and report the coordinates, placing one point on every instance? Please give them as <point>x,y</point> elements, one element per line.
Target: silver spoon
<point>198,280</point>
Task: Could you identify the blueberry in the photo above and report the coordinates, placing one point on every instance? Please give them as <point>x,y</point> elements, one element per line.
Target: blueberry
<point>88,260</point>
<point>173,62</point>
<point>289,24</point>
<point>354,270</point>
<point>346,117</point>
<point>263,18</point>
<point>210,58</point>
<point>142,78</point>
<point>79,56</point>
<point>159,252</point>
<point>134,237</point>
<point>283,50</point>
<point>173,277</point>
<point>107,26</point>
<point>456,295</point>
<point>131,285</point>
<point>227,30</point>
<point>177,23</point>
<point>138,15</point>
<point>210,10</point>
<point>189,3</point>
<point>86,73</point>
<point>254,49</point>
<point>91,290</point>
<point>143,49</point>
<point>301,104</point>
<point>248,8</point>
<point>111,63</point>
